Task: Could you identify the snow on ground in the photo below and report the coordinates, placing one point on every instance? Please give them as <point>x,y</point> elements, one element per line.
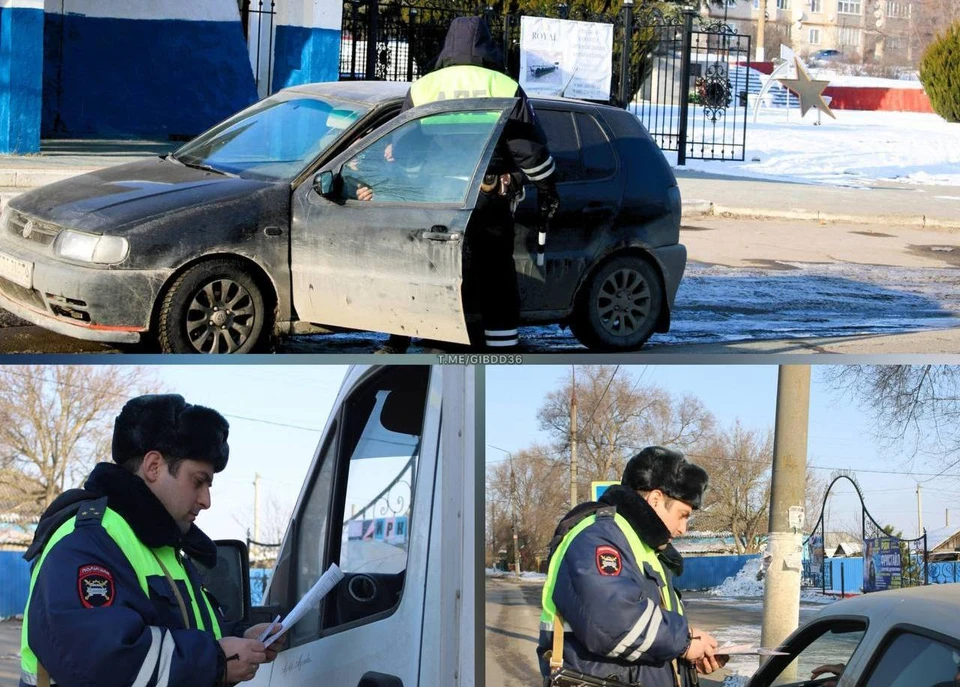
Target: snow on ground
<point>495,572</point>
<point>746,585</point>
<point>858,149</point>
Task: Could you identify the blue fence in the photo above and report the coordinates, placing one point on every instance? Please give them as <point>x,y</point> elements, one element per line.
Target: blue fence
<point>846,575</point>
<point>705,572</point>
<point>947,572</point>
<point>259,577</point>
<point>14,583</point>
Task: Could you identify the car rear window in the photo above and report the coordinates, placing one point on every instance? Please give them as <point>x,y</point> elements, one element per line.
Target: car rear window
<point>581,150</point>
<point>599,160</point>
<point>563,143</point>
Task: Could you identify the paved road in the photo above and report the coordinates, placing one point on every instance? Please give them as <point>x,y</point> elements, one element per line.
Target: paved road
<point>769,286</point>
<point>9,653</point>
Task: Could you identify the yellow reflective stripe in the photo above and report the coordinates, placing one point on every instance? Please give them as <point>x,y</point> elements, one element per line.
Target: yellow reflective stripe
<point>644,554</point>
<point>550,608</point>
<point>462,81</point>
<point>142,561</point>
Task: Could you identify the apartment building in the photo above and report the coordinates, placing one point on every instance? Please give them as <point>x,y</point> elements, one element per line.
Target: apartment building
<point>881,32</point>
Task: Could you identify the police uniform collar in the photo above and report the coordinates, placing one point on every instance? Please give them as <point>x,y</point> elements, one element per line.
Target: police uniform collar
<point>132,499</point>
<point>642,518</point>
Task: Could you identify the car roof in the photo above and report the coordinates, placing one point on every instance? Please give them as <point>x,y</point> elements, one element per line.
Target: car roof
<point>936,607</point>
<point>367,92</point>
<point>371,92</point>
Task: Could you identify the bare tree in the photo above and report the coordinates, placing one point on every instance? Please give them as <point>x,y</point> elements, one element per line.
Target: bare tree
<point>533,487</point>
<point>55,422</point>
<point>916,408</point>
<point>738,461</point>
<point>618,416</point>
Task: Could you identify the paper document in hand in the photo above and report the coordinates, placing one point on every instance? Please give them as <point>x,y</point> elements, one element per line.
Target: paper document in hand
<point>327,581</point>
<point>747,650</point>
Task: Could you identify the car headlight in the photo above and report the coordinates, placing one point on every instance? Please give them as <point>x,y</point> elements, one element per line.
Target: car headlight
<point>103,250</point>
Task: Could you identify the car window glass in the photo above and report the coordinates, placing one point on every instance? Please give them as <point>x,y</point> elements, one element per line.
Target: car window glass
<point>835,643</point>
<point>311,539</point>
<point>912,660</point>
<point>563,143</point>
<point>428,160</point>
<point>275,139</point>
<point>385,424</point>
<point>599,161</point>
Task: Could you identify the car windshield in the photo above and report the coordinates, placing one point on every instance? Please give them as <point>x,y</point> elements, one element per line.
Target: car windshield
<point>274,139</point>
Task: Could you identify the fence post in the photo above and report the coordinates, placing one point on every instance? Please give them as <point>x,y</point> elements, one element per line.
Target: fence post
<point>625,53</point>
<point>843,587</point>
<point>373,10</point>
<point>685,85</point>
<point>410,34</point>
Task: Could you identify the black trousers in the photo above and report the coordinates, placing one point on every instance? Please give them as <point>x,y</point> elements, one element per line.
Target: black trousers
<point>490,276</point>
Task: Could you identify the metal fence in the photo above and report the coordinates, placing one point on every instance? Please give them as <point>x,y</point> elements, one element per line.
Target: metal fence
<point>257,18</point>
<point>685,84</point>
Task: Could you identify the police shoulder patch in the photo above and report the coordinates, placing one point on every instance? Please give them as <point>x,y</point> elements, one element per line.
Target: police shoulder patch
<point>95,586</point>
<point>608,561</point>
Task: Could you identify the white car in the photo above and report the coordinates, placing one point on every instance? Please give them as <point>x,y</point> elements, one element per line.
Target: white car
<point>897,638</point>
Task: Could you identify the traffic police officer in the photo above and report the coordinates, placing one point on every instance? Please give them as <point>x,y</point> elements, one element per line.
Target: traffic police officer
<point>113,599</point>
<point>610,582</point>
<point>469,66</point>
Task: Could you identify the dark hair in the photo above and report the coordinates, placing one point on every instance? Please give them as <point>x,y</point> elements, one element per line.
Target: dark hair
<point>173,464</point>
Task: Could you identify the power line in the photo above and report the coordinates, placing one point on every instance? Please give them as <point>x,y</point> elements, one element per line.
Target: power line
<point>126,396</point>
<point>597,407</point>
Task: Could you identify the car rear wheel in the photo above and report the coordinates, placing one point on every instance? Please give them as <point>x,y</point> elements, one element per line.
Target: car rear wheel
<point>619,305</point>
<point>213,307</point>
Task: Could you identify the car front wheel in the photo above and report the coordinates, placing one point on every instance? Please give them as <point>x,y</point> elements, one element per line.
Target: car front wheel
<point>213,307</point>
<point>619,305</point>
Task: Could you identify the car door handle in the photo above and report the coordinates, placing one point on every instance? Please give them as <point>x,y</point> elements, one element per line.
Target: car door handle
<point>372,679</point>
<point>439,233</point>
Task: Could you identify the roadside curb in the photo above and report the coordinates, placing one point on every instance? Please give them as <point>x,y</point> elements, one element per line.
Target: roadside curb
<point>11,177</point>
<point>700,208</point>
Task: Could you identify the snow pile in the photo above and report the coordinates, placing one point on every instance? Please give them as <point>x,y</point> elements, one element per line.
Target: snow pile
<point>857,149</point>
<point>744,583</point>
<point>735,681</point>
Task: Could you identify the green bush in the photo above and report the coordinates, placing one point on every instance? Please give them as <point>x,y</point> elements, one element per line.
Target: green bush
<point>940,74</point>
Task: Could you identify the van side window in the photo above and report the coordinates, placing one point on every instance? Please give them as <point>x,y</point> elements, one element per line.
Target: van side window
<point>311,536</point>
<point>563,143</point>
<point>599,160</point>
<point>375,484</point>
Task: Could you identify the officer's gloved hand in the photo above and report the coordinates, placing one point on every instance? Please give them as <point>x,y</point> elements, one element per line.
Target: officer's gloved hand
<point>548,201</point>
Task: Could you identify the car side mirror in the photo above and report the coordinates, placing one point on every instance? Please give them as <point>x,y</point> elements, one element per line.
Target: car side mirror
<point>328,184</point>
<point>229,579</point>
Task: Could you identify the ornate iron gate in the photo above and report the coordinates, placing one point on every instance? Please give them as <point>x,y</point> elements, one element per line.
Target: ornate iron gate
<point>685,85</point>
<point>393,40</point>
<point>910,554</point>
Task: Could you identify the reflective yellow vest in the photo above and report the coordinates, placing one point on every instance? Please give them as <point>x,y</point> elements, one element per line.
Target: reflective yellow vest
<point>641,554</point>
<point>144,562</point>
<point>462,81</point>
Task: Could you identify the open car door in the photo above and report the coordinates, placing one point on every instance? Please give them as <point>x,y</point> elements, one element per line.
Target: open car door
<point>394,262</point>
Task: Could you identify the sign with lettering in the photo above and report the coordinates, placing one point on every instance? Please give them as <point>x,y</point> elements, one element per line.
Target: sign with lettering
<point>560,56</point>
<point>881,564</point>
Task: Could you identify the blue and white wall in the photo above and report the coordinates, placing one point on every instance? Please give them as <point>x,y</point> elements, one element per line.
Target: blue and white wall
<point>307,42</point>
<point>142,68</point>
<point>21,69</point>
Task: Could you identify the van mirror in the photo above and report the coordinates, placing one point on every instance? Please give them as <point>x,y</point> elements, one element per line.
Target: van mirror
<point>327,184</point>
<point>229,580</point>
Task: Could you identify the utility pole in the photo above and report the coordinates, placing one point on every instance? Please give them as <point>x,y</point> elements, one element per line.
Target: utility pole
<point>513,492</point>
<point>781,589</point>
<point>919,511</point>
<point>573,438</point>
<point>761,22</point>
<point>256,507</point>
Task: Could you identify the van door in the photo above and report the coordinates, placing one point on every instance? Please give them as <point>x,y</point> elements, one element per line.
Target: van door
<point>393,262</point>
<point>367,505</point>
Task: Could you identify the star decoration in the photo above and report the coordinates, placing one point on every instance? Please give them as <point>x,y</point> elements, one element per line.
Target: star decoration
<point>809,91</point>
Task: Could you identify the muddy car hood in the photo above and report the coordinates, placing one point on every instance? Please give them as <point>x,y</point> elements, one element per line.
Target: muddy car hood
<point>115,199</point>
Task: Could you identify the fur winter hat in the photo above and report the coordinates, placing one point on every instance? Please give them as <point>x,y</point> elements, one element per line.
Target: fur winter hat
<point>660,468</point>
<point>168,424</point>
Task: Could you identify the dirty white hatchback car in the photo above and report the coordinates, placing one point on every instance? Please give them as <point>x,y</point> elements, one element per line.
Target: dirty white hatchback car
<point>896,638</point>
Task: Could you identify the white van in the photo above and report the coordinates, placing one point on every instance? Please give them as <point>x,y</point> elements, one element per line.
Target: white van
<point>391,498</point>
